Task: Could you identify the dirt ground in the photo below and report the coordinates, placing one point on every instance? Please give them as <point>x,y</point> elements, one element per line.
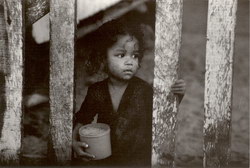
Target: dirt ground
<point>189,150</point>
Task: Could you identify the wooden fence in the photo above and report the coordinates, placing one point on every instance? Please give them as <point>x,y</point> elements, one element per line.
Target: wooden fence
<point>218,78</point>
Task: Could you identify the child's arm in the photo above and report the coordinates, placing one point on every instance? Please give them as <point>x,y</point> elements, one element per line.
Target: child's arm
<point>84,116</point>
<point>179,88</point>
<point>79,146</point>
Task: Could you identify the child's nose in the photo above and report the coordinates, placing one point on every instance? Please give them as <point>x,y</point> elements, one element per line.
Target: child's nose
<point>129,60</point>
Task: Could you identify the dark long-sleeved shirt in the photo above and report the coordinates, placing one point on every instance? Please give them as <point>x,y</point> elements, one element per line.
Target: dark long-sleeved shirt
<point>131,125</point>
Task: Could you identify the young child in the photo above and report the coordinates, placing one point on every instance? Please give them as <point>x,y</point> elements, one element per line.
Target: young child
<point>122,101</point>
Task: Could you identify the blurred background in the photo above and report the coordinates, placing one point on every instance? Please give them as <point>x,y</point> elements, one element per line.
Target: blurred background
<point>189,148</point>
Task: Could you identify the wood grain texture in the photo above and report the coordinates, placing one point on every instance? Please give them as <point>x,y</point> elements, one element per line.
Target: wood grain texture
<point>3,39</point>
<point>218,82</point>
<point>12,61</point>
<point>35,9</point>
<point>62,51</point>
<point>167,44</point>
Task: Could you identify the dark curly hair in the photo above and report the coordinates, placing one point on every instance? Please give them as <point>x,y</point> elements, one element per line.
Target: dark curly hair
<point>105,37</point>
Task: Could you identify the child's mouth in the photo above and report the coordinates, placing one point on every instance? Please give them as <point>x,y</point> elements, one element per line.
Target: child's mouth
<point>128,71</point>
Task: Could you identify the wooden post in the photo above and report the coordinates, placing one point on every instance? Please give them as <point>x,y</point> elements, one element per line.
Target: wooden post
<point>218,82</point>
<point>167,45</point>
<point>35,9</point>
<point>62,51</point>
<point>12,62</point>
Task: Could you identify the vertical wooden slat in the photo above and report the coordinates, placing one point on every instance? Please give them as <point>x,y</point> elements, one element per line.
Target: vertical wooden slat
<point>167,45</point>
<point>62,50</point>
<point>12,61</point>
<point>218,82</point>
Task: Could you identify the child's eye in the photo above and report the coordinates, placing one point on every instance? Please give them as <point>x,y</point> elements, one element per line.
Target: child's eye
<point>135,56</point>
<point>120,55</point>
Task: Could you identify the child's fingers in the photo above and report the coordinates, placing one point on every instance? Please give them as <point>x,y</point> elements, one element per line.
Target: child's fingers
<point>183,89</point>
<point>177,89</point>
<point>82,153</point>
<point>86,155</point>
<point>83,144</point>
<point>179,82</point>
<point>178,92</point>
<point>179,86</point>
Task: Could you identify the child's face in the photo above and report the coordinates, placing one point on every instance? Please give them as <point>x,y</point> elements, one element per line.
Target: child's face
<point>123,58</point>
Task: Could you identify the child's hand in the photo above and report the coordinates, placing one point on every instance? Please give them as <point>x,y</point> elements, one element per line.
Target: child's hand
<point>179,88</point>
<point>78,147</point>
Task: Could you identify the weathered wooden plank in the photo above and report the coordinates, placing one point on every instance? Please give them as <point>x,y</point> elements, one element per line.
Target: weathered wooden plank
<point>62,50</point>
<point>167,45</point>
<point>11,61</point>
<point>218,82</point>
<point>35,9</point>
<point>3,39</point>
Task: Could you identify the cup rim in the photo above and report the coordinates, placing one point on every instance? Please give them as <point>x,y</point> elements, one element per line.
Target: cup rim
<point>102,125</point>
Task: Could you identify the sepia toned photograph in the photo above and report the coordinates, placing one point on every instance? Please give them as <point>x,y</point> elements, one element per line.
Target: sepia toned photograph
<point>124,83</point>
